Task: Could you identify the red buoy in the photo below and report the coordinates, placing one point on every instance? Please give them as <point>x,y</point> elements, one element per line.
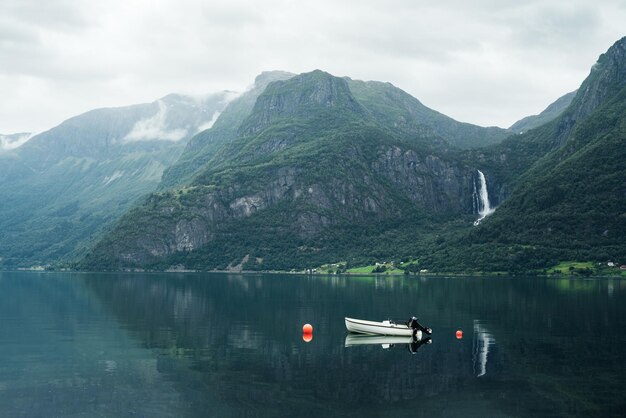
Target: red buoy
<point>307,329</point>
<point>459,334</point>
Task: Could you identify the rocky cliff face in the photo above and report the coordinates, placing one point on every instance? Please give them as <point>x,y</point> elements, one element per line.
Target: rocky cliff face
<point>309,160</point>
<point>396,182</point>
<point>429,181</point>
<point>304,96</point>
<point>606,78</point>
<point>607,74</point>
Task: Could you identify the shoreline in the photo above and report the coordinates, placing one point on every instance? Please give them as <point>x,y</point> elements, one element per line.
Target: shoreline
<point>346,274</point>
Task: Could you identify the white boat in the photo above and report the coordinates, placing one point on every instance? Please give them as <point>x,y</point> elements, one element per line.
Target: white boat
<point>381,328</point>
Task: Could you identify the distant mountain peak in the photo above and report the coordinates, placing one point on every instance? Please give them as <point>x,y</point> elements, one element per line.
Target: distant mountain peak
<point>267,77</point>
<point>616,53</point>
<point>317,88</point>
<point>300,95</point>
<point>607,77</point>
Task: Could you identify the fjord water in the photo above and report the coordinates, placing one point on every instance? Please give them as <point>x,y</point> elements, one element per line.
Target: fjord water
<point>187,345</point>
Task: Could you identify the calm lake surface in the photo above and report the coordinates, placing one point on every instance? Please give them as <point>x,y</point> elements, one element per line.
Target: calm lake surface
<point>187,345</point>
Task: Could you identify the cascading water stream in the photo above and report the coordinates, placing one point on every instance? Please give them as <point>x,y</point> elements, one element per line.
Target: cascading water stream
<point>481,199</point>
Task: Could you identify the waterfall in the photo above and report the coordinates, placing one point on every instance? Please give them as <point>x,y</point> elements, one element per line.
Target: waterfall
<point>481,199</point>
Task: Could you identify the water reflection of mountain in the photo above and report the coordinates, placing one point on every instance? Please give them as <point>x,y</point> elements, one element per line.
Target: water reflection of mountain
<point>62,357</point>
<point>239,337</point>
<point>236,337</point>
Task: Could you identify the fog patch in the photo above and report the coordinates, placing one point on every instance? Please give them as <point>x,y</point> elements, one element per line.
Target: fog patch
<point>155,128</point>
<point>10,142</point>
<point>230,95</point>
<point>207,125</point>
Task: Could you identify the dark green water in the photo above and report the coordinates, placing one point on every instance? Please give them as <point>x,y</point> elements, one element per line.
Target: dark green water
<point>187,345</point>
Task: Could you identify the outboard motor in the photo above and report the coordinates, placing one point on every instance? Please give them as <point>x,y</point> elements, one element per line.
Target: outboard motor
<point>412,323</point>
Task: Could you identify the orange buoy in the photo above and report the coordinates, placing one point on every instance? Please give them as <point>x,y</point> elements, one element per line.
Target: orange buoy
<point>307,329</point>
<point>459,334</point>
<point>307,337</point>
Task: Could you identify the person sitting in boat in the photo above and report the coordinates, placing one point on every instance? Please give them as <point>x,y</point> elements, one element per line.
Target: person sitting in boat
<point>412,323</point>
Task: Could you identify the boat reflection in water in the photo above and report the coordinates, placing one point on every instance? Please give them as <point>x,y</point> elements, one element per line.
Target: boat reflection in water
<point>387,341</point>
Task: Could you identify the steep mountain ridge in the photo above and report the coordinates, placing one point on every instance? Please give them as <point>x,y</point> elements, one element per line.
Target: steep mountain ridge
<point>570,204</point>
<point>309,160</point>
<point>285,115</point>
<point>606,79</point>
<point>398,110</point>
<point>506,164</point>
<point>202,147</point>
<point>388,105</point>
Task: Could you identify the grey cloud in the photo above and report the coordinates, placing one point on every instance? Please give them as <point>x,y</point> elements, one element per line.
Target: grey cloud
<point>551,26</point>
<point>59,14</point>
<point>13,33</point>
<point>155,128</point>
<point>488,61</point>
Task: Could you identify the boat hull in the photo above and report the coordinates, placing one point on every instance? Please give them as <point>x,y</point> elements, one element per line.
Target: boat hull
<point>361,326</point>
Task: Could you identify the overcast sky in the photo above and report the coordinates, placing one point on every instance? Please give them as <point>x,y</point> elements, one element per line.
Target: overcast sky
<point>488,62</point>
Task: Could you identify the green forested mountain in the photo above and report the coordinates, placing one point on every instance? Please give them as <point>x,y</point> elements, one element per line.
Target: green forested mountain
<point>302,170</point>
<point>322,168</point>
<point>203,146</point>
<point>399,111</point>
<point>571,203</point>
<point>62,186</point>
<point>385,103</point>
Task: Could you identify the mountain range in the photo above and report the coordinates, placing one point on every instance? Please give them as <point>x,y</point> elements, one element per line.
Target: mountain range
<point>570,203</point>
<point>306,169</point>
<point>315,157</point>
<point>64,185</point>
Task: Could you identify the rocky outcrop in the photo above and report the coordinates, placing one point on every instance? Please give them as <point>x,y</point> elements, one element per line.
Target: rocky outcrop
<point>299,96</point>
<point>607,77</point>
<point>309,160</point>
<point>429,181</point>
<point>607,74</point>
<point>396,176</point>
